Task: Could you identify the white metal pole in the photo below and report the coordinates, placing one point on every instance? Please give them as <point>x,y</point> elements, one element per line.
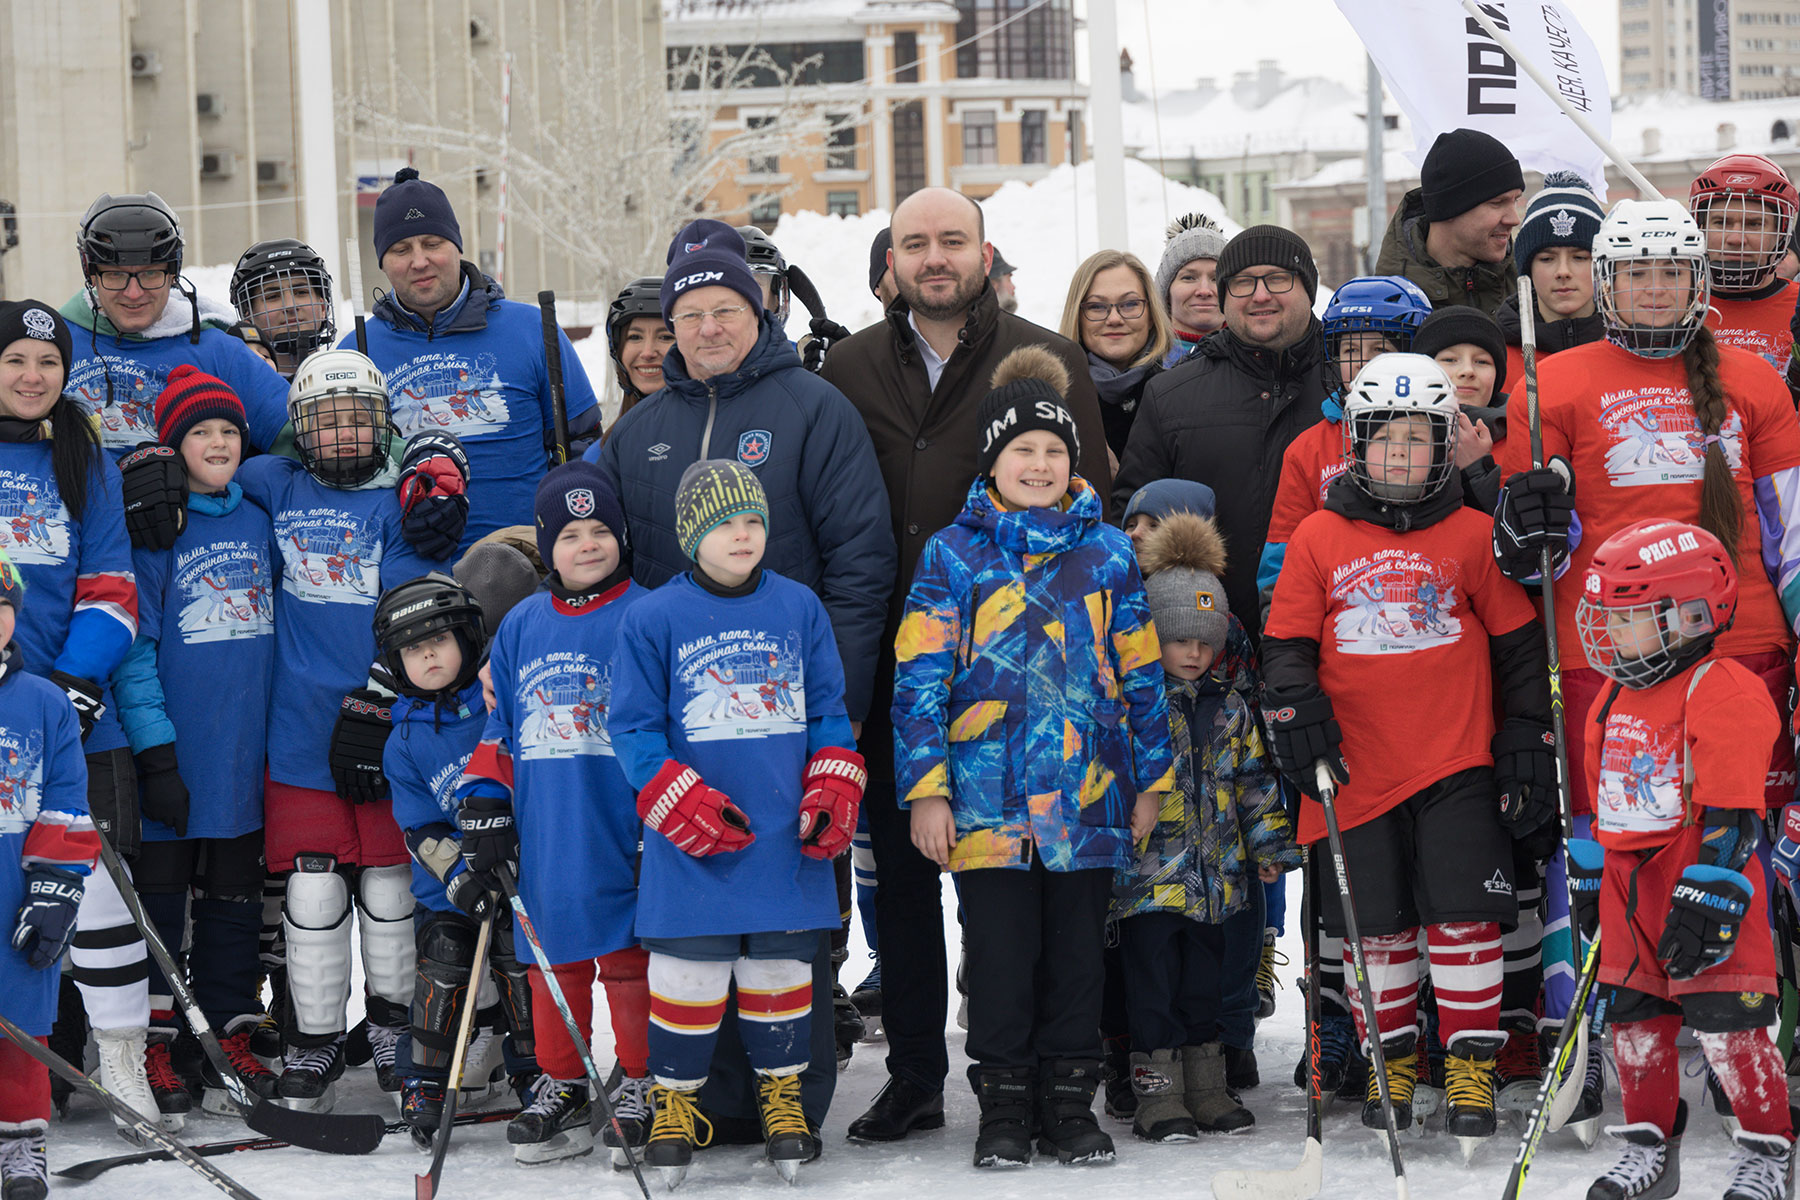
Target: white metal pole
<point>1377,178</point>
<point>315,116</point>
<point>1107,124</point>
<point>505,161</point>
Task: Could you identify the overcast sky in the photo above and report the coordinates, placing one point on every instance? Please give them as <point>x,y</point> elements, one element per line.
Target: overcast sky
<point>1193,38</point>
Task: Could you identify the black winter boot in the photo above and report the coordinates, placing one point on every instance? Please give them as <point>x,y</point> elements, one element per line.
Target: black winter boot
<point>1006,1095</point>
<point>1066,1124</point>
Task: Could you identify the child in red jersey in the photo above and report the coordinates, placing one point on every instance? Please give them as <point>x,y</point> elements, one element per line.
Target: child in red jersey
<point>1681,740</point>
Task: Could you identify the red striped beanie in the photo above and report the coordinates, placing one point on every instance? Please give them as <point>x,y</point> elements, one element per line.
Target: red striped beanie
<point>192,396</point>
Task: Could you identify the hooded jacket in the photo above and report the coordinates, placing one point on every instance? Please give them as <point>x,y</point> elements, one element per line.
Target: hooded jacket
<point>1485,285</point>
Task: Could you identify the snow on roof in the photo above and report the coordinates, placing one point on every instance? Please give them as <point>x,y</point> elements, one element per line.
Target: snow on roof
<point>1395,166</point>
<point>1689,127</point>
<point>1309,114</point>
<point>818,11</point>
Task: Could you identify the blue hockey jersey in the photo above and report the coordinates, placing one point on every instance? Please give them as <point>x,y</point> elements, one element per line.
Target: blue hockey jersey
<point>744,690</point>
<point>424,761</point>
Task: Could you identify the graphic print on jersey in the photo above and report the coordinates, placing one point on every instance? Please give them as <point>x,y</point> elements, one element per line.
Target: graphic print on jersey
<point>21,780</point>
<point>1640,788</point>
<point>225,592</point>
<point>1394,602</point>
<point>442,786</point>
<point>563,698</point>
<point>741,684</point>
<point>36,523</point>
<point>328,556</point>
<point>447,390</point>
<point>1653,437</point>
<point>128,415</point>
<point>1328,472</point>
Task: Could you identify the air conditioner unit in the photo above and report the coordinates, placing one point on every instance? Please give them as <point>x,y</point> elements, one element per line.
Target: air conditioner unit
<point>145,64</point>
<point>209,104</point>
<point>274,172</point>
<point>218,164</point>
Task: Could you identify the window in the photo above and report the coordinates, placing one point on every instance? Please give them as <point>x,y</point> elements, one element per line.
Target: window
<point>761,164</point>
<point>980,141</point>
<point>765,212</point>
<point>992,45</point>
<point>840,143</point>
<point>1639,51</point>
<point>843,204</point>
<point>1265,193</point>
<point>909,149</point>
<point>1077,143</point>
<point>1034,136</point>
<point>800,62</point>
<point>906,57</point>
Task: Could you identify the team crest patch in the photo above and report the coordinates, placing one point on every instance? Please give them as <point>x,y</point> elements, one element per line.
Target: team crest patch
<point>581,503</point>
<point>1203,601</point>
<point>690,247</point>
<point>1562,223</point>
<point>753,447</point>
<point>40,324</point>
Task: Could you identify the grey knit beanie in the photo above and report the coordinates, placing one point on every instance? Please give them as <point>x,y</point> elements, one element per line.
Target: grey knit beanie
<point>1182,560</point>
<point>1193,236</point>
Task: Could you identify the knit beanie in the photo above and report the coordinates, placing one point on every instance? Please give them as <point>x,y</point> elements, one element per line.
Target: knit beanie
<point>1466,167</point>
<point>1268,246</point>
<point>1193,236</point>
<point>999,268</point>
<point>1161,498</point>
<point>498,576</point>
<point>711,492</point>
<point>709,253</point>
<point>191,396</point>
<point>413,208</point>
<point>12,584</point>
<point>1182,560</point>
<point>1456,324</point>
<point>1025,393</point>
<point>35,319</point>
<point>878,252</point>
<point>575,491</point>
<point>1564,213</point>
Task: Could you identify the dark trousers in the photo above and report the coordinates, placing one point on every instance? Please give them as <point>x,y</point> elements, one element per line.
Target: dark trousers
<point>1187,982</point>
<point>225,876</point>
<point>1035,977</point>
<point>909,924</point>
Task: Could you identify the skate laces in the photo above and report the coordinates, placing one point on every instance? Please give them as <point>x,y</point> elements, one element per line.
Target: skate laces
<point>1468,1082</point>
<point>872,981</point>
<point>1638,1165</point>
<point>238,1053</point>
<point>1402,1074</point>
<point>481,1044</point>
<point>159,1069</point>
<point>314,1059</point>
<point>1337,1039</point>
<point>1754,1173</point>
<point>384,1043</point>
<point>1266,979</point>
<point>551,1097</point>
<point>678,1117</point>
<point>22,1154</point>
<point>631,1102</point>
<point>1520,1057</point>
<point>780,1099</point>
<point>1697,1066</point>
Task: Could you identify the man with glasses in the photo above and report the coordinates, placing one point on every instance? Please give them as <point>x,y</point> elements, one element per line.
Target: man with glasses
<point>1225,415</point>
<point>1452,235</point>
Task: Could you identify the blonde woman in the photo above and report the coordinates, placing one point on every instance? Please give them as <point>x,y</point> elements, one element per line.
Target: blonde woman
<point>1115,314</point>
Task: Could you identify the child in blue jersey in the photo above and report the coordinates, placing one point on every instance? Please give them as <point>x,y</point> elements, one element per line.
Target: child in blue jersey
<point>47,846</point>
<point>206,612</point>
<point>545,795</point>
<point>728,715</point>
<point>327,815</point>
<point>433,642</point>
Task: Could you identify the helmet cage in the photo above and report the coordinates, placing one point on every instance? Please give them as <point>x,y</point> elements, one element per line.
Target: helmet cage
<point>1362,425</point>
<point>1684,631</point>
<point>1651,341</point>
<point>335,391</point>
<point>1758,193</point>
<point>1388,306</point>
<point>269,298</point>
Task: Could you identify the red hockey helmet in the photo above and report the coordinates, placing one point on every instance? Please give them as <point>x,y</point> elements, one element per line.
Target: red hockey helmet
<point>1656,595</point>
<point>1745,205</point>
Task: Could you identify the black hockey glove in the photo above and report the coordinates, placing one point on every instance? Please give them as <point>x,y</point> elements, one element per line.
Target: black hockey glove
<point>164,796</point>
<point>1536,510</point>
<point>1585,862</point>
<point>85,695</point>
<point>1705,910</point>
<point>826,333</point>
<point>47,918</point>
<point>357,740</point>
<point>1525,776</point>
<point>434,493</point>
<point>155,483</point>
<point>468,893</point>
<point>490,840</point>
<point>1302,733</point>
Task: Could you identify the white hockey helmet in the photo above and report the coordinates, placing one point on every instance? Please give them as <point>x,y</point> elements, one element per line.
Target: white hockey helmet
<point>1388,388</point>
<point>1637,237</point>
<point>336,394</point>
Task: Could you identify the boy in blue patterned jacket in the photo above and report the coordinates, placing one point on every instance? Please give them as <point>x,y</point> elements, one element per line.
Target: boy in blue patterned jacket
<point>1031,737</point>
<point>1191,911</point>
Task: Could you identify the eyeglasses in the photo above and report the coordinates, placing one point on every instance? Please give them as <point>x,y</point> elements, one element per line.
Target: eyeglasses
<point>1098,310</point>
<point>149,279</point>
<point>724,316</point>
<point>1277,282</point>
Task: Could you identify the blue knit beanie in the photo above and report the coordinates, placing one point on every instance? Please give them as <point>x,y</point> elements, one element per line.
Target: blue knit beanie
<point>1565,212</point>
<point>709,253</point>
<point>411,208</point>
<point>1162,497</point>
<point>575,491</point>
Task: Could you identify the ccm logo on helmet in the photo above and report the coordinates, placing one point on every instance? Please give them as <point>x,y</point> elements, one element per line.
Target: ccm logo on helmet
<point>688,281</point>
<point>334,375</point>
<point>1655,552</point>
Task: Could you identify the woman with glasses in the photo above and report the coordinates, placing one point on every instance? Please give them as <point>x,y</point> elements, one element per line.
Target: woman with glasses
<point>1112,312</point>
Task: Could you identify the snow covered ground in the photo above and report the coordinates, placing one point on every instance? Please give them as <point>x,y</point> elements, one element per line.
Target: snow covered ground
<point>936,1163</point>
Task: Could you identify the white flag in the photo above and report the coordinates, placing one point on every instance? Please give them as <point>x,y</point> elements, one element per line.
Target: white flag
<point>1447,73</point>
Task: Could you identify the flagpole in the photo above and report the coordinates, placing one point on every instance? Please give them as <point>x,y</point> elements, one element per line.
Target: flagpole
<point>1646,189</point>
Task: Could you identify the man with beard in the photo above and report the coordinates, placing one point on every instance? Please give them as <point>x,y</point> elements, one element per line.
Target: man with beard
<point>918,378</point>
<point>1452,235</point>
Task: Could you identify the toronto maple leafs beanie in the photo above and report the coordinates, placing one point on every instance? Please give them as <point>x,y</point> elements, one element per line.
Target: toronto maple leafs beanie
<point>1565,213</point>
<point>411,208</point>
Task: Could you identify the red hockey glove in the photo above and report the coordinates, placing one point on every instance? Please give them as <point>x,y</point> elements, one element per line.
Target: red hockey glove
<point>700,820</point>
<point>835,779</point>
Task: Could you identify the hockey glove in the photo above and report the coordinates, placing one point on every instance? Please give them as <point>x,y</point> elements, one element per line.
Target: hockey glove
<point>1536,510</point>
<point>700,820</point>
<point>155,485</point>
<point>47,918</point>
<point>363,723</point>
<point>490,840</point>
<point>1785,857</point>
<point>470,895</point>
<point>1705,910</point>
<point>1302,733</point>
<point>434,493</point>
<point>1585,863</point>
<point>835,779</point>
<point>826,333</point>
<point>164,797</point>
<point>85,695</point>
<point>1525,775</point>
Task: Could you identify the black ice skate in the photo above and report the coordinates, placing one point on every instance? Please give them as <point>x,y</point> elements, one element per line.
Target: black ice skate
<point>789,1139</point>
<point>1650,1166</point>
<point>676,1130</point>
<point>307,1082</point>
<point>1469,1087</point>
<point>554,1125</point>
<point>631,1105</point>
<point>23,1168</point>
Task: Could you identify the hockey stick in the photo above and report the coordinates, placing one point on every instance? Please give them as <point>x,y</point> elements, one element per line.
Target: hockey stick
<point>1327,787</point>
<point>425,1186</point>
<point>548,970</point>
<point>1305,1179</point>
<point>331,1133</point>
<point>1559,1074</point>
<point>93,1168</point>
<point>559,409</point>
<point>148,1130</point>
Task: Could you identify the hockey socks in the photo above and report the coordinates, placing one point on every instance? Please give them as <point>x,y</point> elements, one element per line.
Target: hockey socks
<point>623,973</point>
<point>1466,974</point>
<point>1750,1070</point>
<point>687,1003</point>
<point>108,959</point>
<point>775,1013</point>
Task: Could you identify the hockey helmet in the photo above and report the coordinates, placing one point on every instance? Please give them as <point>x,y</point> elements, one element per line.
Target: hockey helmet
<point>1389,388</point>
<point>1655,596</point>
<point>132,230</point>
<point>767,261</point>
<point>1745,206</point>
<point>424,607</point>
<point>1637,237</point>
<point>1389,306</point>
<point>283,287</point>
<point>335,395</point>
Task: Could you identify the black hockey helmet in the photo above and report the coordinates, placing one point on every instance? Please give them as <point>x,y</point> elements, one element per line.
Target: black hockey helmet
<point>765,258</point>
<point>420,608</point>
<point>137,229</point>
<point>642,297</point>
<point>293,330</point>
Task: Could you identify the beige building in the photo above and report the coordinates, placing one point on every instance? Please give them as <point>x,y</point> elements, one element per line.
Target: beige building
<point>1714,49</point>
<point>916,93</point>
<point>201,101</point>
